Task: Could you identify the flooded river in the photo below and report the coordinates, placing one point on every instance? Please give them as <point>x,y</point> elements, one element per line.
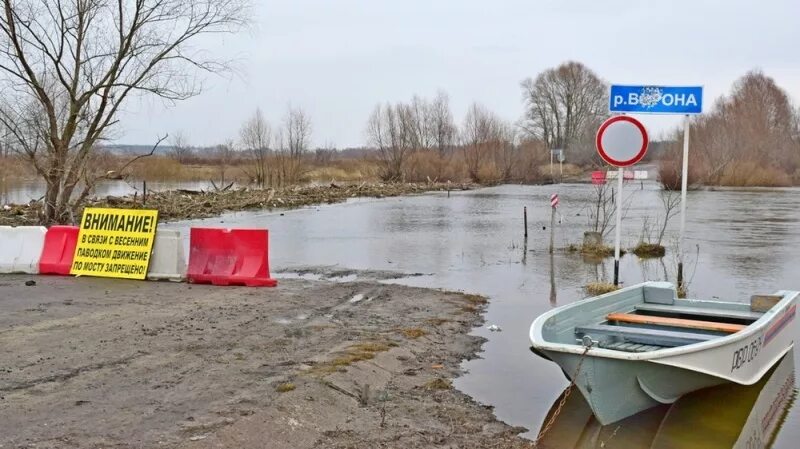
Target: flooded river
<point>738,243</point>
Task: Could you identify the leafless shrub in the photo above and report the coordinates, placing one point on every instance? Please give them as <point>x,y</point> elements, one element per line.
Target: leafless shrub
<point>256,138</point>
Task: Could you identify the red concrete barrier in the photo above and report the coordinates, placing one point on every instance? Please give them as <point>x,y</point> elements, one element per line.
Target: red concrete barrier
<point>229,257</point>
<point>598,177</point>
<point>58,250</point>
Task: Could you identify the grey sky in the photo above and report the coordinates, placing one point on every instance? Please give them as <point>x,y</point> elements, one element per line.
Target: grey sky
<point>338,58</point>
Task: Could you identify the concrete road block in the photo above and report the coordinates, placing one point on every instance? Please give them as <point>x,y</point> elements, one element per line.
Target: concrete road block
<point>21,248</point>
<point>167,262</point>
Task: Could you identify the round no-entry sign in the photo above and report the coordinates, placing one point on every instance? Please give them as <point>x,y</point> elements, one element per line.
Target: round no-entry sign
<point>622,141</point>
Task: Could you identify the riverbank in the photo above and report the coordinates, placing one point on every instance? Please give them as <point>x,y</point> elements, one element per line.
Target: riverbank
<point>90,362</point>
<point>184,204</point>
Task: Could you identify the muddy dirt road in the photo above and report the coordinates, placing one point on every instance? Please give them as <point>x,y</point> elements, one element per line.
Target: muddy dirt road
<point>93,363</point>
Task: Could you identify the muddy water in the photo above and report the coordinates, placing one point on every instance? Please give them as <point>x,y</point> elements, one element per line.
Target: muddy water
<point>741,242</point>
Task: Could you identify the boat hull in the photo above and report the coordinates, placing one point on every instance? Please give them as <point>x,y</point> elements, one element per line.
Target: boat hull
<point>616,389</point>
<point>617,384</point>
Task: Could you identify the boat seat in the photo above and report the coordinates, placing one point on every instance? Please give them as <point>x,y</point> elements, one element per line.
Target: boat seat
<point>676,322</point>
<point>656,337</point>
<point>700,312</point>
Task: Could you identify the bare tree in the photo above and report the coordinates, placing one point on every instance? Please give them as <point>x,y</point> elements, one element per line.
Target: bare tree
<point>562,105</point>
<point>441,125</point>
<point>181,150</point>
<point>420,123</point>
<point>297,135</point>
<point>67,66</point>
<point>402,130</point>
<point>482,133</point>
<point>223,157</point>
<point>256,137</point>
<point>388,131</point>
<point>505,153</point>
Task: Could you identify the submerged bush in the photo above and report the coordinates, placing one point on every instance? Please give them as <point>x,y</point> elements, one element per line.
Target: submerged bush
<point>649,250</point>
<point>600,288</point>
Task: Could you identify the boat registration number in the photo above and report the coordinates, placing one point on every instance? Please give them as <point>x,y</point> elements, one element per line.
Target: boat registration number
<point>746,354</point>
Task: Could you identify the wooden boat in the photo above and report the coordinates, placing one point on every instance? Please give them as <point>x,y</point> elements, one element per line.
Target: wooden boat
<point>641,346</point>
<point>728,416</point>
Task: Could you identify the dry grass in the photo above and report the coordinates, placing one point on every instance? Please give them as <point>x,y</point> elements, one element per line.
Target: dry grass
<point>600,288</point>
<point>570,170</point>
<point>285,387</point>
<point>428,165</point>
<point>13,168</point>
<point>649,250</point>
<point>598,250</point>
<point>413,332</point>
<point>354,353</point>
<point>439,384</point>
<point>348,170</point>
<point>750,174</point>
<point>682,291</point>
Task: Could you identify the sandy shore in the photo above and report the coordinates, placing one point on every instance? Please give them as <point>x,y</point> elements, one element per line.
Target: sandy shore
<point>94,363</point>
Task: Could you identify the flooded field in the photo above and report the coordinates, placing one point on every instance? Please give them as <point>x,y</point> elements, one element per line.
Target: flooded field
<point>738,243</point>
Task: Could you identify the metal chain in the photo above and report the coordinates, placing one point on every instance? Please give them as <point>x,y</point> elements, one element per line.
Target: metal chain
<point>564,397</point>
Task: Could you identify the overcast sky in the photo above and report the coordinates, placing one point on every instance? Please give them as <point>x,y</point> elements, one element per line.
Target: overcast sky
<point>338,58</point>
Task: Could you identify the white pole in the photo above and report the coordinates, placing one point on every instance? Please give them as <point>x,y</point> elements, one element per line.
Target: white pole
<point>618,230</point>
<point>684,187</point>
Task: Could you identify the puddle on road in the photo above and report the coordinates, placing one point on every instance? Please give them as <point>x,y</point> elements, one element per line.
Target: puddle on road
<point>742,242</point>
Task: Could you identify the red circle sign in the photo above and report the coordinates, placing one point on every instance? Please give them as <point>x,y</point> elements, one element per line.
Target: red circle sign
<point>622,141</point>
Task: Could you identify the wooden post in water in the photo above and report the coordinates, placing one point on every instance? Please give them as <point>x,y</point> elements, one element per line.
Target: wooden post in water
<point>525,218</point>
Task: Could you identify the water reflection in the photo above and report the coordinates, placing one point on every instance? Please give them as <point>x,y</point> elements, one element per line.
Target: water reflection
<point>723,417</point>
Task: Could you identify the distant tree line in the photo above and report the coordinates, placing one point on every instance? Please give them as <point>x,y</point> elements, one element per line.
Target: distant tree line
<point>751,137</point>
<point>563,107</point>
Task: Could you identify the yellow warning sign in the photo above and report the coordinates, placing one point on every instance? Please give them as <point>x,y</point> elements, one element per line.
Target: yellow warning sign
<point>115,243</point>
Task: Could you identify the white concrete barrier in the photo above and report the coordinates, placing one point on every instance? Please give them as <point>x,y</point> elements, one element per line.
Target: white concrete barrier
<point>168,261</point>
<point>21,248</point>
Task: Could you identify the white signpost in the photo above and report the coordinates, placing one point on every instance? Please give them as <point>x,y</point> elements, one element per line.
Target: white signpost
<point>649,99</point>
<point>621,141</point>
<point>557,154</point>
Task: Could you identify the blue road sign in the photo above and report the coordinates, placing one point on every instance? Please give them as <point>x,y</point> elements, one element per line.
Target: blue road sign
<point>656,99</point>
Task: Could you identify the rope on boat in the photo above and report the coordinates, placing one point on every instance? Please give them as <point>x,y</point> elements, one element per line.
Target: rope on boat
<point>588,343</point>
